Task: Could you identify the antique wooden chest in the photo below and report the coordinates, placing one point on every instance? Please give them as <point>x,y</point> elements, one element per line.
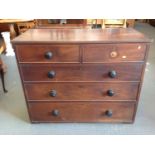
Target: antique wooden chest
<point>82,75</point>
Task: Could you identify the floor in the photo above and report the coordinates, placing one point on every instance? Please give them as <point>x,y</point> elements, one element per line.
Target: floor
<point>14,117</point>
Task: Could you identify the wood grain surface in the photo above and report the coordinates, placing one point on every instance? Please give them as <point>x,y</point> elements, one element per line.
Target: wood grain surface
<point>82,111</point>
<point>80,87</point>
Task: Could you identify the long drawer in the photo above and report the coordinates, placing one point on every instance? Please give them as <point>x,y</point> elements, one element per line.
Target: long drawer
<point>48,53</point>
<point>66,72</point>
<point>81,111</point>
<point>81,91</point>
<point>113,52</point>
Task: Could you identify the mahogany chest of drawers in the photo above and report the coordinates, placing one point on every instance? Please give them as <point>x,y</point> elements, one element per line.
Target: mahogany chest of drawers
<point>82,75</point>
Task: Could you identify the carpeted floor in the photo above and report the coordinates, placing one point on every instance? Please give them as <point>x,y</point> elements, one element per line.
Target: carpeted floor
<point>14,117</point>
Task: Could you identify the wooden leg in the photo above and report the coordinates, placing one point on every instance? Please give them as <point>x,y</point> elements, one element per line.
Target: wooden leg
<point>2,78</point>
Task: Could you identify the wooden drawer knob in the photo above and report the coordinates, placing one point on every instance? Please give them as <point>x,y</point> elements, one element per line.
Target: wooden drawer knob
<point>113,54</point>
<point>55,112</point>
<point>48,55</point>
<point>51,74</point>
<point>110,92</point>
<point>53,93</point>
<point>112,74</point>
<point>109,113</point>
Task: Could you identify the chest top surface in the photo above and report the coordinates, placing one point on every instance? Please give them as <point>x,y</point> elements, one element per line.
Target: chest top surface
<point>108,35</point>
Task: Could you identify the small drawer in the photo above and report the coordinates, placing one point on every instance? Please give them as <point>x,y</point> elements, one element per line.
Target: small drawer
<point>85,72</point>
<point>114,52</point>
<point>81,91</point>
<point>48,53</point>
<point>82,111</point>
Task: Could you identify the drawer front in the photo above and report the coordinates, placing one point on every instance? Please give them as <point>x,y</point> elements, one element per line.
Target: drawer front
<point>114,52</point>
<point>49,53</point>
<point>81,91</point>
<point>105,72</point>
<point>81,111</point>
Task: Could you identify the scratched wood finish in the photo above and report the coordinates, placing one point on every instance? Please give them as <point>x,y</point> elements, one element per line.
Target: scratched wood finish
<point>36,53</point>
<point>81,60</point>
<point>82,91</point>
<point>82,111</point>
<point>85,72</point>
<point>108,35</point>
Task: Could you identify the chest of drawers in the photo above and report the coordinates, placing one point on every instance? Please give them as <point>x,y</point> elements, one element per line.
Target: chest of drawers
<point>82,75</point>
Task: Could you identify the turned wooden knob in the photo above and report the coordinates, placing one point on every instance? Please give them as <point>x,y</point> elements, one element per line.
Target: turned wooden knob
<point>113,54</point>
<point>48,55</point>
<point>112,74</point>
<point>108,113</point>
<point>55,112</point>
<point>110,92</point>
<point>51,74</point>
<point>53,93</point>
